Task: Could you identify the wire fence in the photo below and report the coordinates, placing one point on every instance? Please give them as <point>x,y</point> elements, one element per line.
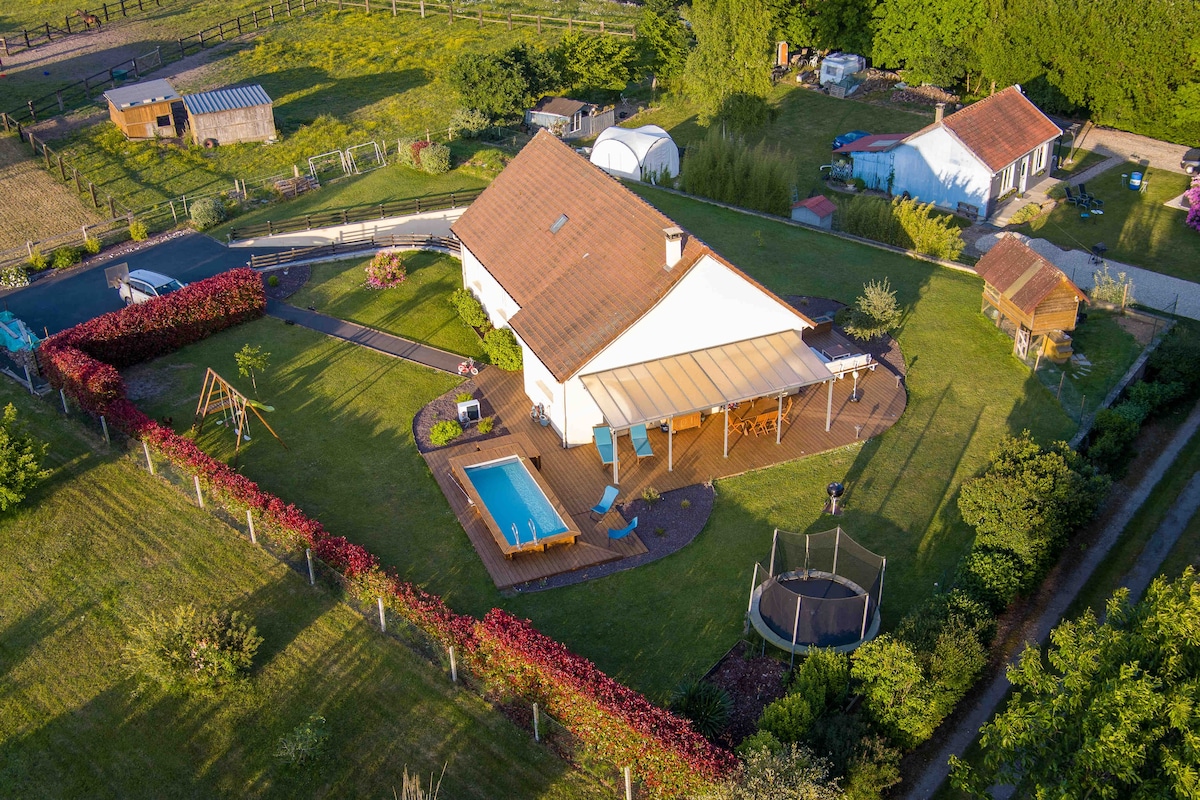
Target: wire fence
<point>552,733</point>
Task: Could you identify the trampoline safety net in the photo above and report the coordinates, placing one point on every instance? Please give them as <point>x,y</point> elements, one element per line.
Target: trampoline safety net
<point>819,589</point>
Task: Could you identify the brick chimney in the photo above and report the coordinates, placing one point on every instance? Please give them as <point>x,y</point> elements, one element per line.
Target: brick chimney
<point>674,236</point>
<point>939,112</point>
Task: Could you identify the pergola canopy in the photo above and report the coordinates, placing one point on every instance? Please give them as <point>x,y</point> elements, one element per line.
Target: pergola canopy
<point>681,384</point>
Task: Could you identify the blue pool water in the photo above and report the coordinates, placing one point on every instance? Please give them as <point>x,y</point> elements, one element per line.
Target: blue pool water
<point>514,498</point>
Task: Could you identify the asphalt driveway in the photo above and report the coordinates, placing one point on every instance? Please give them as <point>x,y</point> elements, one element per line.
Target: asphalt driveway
<point>61,300</point>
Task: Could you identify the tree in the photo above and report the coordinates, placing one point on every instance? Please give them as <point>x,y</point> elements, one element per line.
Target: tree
<point>663,40</point>
<point>251,360</point>
<point>1111,712</point>
<point>727,170</point>
<point>732,54</point>
<point>842,24</point>
<point>20,461</point>
<point>875,312</point>
<point>896,692</point>
<point>589,63</point>
<point>932,39</point>
<point>504,84</point>
<point>1030,500</point>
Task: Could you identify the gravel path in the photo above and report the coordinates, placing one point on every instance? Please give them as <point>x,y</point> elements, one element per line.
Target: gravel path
<point>988,698</point>
<point>1152,289</point>
<point>1132,147</point>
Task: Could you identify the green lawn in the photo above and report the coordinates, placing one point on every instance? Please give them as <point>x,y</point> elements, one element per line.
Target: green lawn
<point>1136,226</point>
<point>1111,352</point>
<point>98,546</point>
<point>805,125</point>
<point>1084,160</point>
<point>346,415</point>
<point>417,309</point>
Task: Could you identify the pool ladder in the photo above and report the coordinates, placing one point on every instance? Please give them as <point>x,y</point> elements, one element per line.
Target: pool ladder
<point>517,533</point>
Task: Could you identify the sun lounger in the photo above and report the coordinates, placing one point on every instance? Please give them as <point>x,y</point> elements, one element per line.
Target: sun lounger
<point>641,441</point>
<point>602,435</point>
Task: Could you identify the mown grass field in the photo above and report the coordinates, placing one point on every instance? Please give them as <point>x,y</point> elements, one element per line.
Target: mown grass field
<point>347,413</point>
<point>1137,228</point>
<point>35,204</point>
<point>99,546</point>
<point>417,309</point>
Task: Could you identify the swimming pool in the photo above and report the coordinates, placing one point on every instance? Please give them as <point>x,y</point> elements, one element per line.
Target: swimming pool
<point>519,508</point>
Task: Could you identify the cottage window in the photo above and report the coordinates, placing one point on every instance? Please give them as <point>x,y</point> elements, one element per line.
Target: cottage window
<point>1006,178</point>
<point>576,121</point>
<point>164,121</point>
<point>1039,158</point>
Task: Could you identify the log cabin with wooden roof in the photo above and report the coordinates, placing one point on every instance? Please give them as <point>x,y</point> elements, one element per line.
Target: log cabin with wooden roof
<point>1032,297</point>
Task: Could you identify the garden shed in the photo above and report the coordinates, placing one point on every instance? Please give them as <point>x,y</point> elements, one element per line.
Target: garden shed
<point>146,110</point>
<point>1025,292</point>
<point>816,211</point>
<point>229,116</point>
<point>569,119</point>
<point>636,153</point>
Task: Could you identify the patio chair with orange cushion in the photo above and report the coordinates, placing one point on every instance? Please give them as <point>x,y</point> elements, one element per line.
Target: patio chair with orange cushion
<point>765,422</point>
<point>740,425</point>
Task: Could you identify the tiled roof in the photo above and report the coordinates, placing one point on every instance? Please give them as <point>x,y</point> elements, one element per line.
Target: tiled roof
<point>226,99</point>
<point>875,143</point>
<point>819,204</point>
<point>1001,128</point>
<point>1021,275</point>
<point>583,286</point>
<point>561,106</point>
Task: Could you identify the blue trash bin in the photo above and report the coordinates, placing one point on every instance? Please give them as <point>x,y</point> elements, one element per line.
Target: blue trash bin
<point>1135,181</point>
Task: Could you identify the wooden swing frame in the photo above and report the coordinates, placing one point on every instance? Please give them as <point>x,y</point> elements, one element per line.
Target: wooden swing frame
<point>218,396</point>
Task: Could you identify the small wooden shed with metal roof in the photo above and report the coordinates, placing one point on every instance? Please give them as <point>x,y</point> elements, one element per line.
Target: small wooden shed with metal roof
<point>229,116</point>
<point>1024,290</point>
<point>147,109</point>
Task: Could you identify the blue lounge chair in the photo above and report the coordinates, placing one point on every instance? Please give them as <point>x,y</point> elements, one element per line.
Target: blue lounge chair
<point>606,502</point>
<point>602,435</point>
<point>623,532</point>
<point>641,442</point>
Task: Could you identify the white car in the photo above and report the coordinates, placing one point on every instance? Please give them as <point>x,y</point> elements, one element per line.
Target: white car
<point>142,285</point>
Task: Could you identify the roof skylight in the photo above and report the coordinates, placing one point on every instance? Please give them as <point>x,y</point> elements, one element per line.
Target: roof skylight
<point>558,223</point>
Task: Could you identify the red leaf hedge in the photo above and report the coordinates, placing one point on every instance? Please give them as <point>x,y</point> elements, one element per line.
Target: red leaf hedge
<point>509,654</point>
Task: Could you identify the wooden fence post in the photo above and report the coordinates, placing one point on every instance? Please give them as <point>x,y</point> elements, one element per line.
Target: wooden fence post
<point>312,576</point>
<point>92,189</point>
<point>32,112</point>
<point>104,427</point>
<point>199,495</point>
<point>105,5</point>
<point>393,8</point>
<point>450,21</point>
<point>422,9</point>
<point>510,20</point>
<point>539,23</point>
<point>112,208</point>
<point>182,49</point>
<point>62,395</point>
<point>453,666</point>
<point>62,169</point>
<point>382,618</point>
<point>58,96</point>
<point>250,525</point>
<point>149,461</point>
<point>537,735</point>
<point>628,784</point>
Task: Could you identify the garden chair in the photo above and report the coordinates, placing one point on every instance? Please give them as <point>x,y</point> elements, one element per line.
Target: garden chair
<point>602,436</point>
<point>606,502</point>
<point>1090,199</point>
<point>1073,198</point>
<point>623,532</point>
<point>641,441</point>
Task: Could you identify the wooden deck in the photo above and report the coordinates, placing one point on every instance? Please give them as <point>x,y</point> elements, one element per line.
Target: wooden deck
<point>578,478</point>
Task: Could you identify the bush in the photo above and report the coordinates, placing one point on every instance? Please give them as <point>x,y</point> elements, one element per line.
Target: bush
<point>486,424</point>
<point>956,661</point>
<point>729,171</point>
<point>66,256</point>
<point>37,260</point>
<point>305,744</point>
<point>385,271</point>
<point>469,309</point>
<point>14,276</point>
<point>272,281</point>
<point>193,648</point>
<point>467,123</point>
<point>874,768</point>
<point>875,312</point>
<point>1155,396</point>
<point>207,212</point>
<point>904,223</point>
<point>502,349</point>
<point>1175,359</point>
<point>138,231</point>
<point>91,245</point>
<point>993,577</point>
<point>408,150</point>
<point>759,740</point>
<point>871,218</point>
<point>791,773</point>
<point>435,159</point>
<point>1107,289</point>
<point>859,184</point>
<point>1112,435</point>
<point>444,432</point>
<point>789,718</point>
<point>20,461</point>
<point>650,495</point>
<point>463,397</point>
<point>707,705</point>
<point>1026,213</point>
<point>823,678</point>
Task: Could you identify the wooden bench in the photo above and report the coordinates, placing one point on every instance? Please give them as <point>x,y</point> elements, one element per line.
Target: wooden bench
<point>685,421</point>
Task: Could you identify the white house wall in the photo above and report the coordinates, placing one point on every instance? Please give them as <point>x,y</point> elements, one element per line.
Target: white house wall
<point>711,306</point>
<point>498,304</point>
<point>936,168</point>
<point>433,223</point>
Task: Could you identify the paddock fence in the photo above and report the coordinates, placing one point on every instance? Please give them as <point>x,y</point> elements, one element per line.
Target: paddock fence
<point>72,25</point>
<point>361,244</point>
<point>362,213</point>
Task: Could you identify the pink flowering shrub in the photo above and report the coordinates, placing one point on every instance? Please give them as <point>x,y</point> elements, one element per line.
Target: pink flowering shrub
<point>385,270</point>
<point>508,654</point>
<point>1193,198</point>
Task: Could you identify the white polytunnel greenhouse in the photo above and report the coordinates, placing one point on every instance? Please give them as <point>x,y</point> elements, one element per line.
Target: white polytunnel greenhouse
<point>638,153</point>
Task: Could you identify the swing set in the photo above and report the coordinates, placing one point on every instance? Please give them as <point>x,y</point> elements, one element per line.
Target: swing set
<point>219,397</point>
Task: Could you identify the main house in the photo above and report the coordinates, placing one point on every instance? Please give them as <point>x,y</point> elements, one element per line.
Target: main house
<point>963,162</point>
<point>623,318</point>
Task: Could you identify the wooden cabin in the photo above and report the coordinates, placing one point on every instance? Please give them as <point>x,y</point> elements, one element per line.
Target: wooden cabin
<point>229,116</point>
<point>146,110</point>
<point>1034,297</point>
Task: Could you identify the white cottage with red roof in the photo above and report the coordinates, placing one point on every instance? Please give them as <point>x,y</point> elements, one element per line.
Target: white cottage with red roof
<point>624,319</point>
<point>963,162</point>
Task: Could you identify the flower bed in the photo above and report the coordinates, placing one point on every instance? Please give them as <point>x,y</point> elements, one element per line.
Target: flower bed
<point>507,653</point>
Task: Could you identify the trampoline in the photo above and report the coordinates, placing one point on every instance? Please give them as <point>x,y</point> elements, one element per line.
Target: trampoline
<point>817,590</point>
